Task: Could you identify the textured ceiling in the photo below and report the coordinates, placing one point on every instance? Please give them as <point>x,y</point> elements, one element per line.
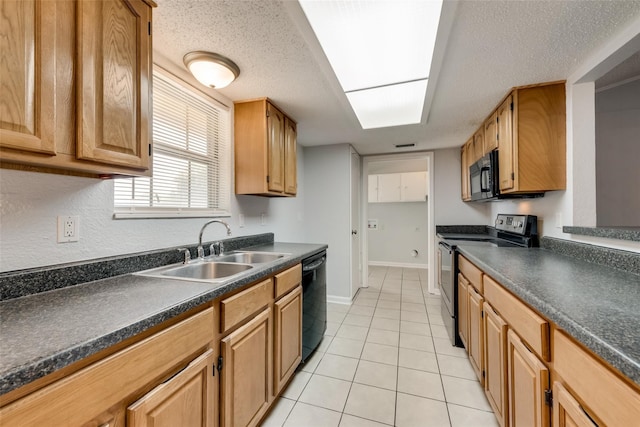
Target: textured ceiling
<point>492,46</point>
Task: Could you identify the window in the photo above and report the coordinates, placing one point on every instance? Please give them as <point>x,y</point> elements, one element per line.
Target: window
<point>191,165</point>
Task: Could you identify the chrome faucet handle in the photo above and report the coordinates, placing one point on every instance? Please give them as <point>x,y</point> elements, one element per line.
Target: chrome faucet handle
<point>187,255</point>
<point>200,251</point>
<point>214,249</point>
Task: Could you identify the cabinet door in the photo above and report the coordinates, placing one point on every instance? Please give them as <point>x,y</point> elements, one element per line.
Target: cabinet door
<point>389,187</point>
<point>528,380</point>
<point>506,149</point>
<point>288,338</point>
<point>291,171</point>
<point>275,150</point>
<point>463,309</point>
<point>185,400</point>
<point>567,412</point>
<point>491,133</point>
<point>28,75</point>
<point>476,335</point>
<point>413,186</point>
<point>246,376</point>
<point>464,173</point>
<point>478,144</point>
<point>495,379</point>
<point>113,90</point>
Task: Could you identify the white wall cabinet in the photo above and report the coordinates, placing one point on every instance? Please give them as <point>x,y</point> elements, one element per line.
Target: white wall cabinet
<point>398,187</point>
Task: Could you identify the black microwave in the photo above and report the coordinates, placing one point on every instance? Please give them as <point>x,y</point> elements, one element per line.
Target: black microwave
<point>483,177</point>
<point>484,180</point>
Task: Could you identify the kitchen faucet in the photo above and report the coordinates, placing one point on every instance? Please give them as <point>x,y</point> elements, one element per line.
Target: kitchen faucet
<point>200,249</point>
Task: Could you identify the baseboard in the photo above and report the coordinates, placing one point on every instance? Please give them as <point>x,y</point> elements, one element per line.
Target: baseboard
<point>339,300</point>
<point>398,264</point>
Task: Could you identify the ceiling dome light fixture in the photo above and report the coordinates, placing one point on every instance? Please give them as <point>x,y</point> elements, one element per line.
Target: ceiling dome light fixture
<point>210,69</point>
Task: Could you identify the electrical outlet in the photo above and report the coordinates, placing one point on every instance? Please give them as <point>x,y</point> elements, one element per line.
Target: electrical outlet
<point>558,219</point>
<point>263,219</point>
<point>241,220</point>
<point>68,228</point>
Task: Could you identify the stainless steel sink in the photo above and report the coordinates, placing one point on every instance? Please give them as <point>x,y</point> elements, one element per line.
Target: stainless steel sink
<point>250,257</point>
<point>208,271</point>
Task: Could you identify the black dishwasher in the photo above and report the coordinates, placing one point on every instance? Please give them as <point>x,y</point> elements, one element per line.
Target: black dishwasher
<point>314,302</point>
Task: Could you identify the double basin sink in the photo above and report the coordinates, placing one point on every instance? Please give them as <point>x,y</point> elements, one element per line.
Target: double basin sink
<point>214,268</point>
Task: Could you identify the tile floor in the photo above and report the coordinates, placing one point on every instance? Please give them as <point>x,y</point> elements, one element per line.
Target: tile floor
<point>385,361</point>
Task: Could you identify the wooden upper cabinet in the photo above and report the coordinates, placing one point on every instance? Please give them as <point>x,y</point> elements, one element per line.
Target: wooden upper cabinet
<point>114,73</point>
<point>532,139</point>
<point>275,149</point>
<point>529,130</point>
<point>478,145</point>
<point>77,94</point>
<point>290,157</point>
<point>265,154</point>
<point>464,173</point>
<point>27,94</point>
<point>505,144</point>
<point>491,133</point>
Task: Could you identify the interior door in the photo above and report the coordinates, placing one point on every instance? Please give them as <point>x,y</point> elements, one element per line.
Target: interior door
<point>355,224</point>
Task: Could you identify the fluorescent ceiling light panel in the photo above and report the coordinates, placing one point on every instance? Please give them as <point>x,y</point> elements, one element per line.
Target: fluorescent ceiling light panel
<point>372,43</point>
<point>386,106</point>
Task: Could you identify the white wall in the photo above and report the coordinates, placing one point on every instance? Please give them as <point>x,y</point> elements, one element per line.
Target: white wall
<point>617,155</point>
<point>449,207</point>
<point>327,187</point>
<point>402,228</point>
<point>30,203</point>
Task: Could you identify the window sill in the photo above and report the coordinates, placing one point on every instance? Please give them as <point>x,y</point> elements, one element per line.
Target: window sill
<point>169,214</point>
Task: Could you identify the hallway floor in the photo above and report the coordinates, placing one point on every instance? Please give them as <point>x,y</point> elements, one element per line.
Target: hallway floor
<point>385,361</point>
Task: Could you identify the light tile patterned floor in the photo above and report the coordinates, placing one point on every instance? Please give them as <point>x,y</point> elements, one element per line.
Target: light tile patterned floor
<point>385,361</point>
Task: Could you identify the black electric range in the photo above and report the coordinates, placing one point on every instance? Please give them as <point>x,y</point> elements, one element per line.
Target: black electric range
<point>510,231</point>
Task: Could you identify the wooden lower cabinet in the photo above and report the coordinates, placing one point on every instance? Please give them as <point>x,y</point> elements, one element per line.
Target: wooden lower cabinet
<point>528,381</point>
<point>463,309</point>
<point>495,359</point>
<point>184,400</point>
<point>288,338</point>
<point>567,411</point>
<point>476,335</point>
<point>98,394</point>
<point>247,372</point>
<point>602,393</point>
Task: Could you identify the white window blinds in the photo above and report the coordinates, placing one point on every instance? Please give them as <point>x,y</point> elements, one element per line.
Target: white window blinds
<point>191,164</point>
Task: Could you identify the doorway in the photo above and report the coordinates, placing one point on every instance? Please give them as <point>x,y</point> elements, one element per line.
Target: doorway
<point>397,213</point>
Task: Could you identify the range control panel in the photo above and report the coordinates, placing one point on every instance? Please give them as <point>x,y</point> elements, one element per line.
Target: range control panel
<point>524,225</point>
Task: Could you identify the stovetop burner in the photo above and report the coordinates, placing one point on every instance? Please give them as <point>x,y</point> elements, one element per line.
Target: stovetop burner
<point>509,231</point>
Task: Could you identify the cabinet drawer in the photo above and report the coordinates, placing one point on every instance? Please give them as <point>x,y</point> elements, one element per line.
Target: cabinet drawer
<point>471,272</point>
<point>533,329</point>
<point>242,305</point>
<point>288,280</point>
<point>80,397</point>
<point>606,397</point>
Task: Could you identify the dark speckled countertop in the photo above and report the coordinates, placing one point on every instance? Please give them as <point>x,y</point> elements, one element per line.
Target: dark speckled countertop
<point>599,306</point>
<point>46,331</point>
